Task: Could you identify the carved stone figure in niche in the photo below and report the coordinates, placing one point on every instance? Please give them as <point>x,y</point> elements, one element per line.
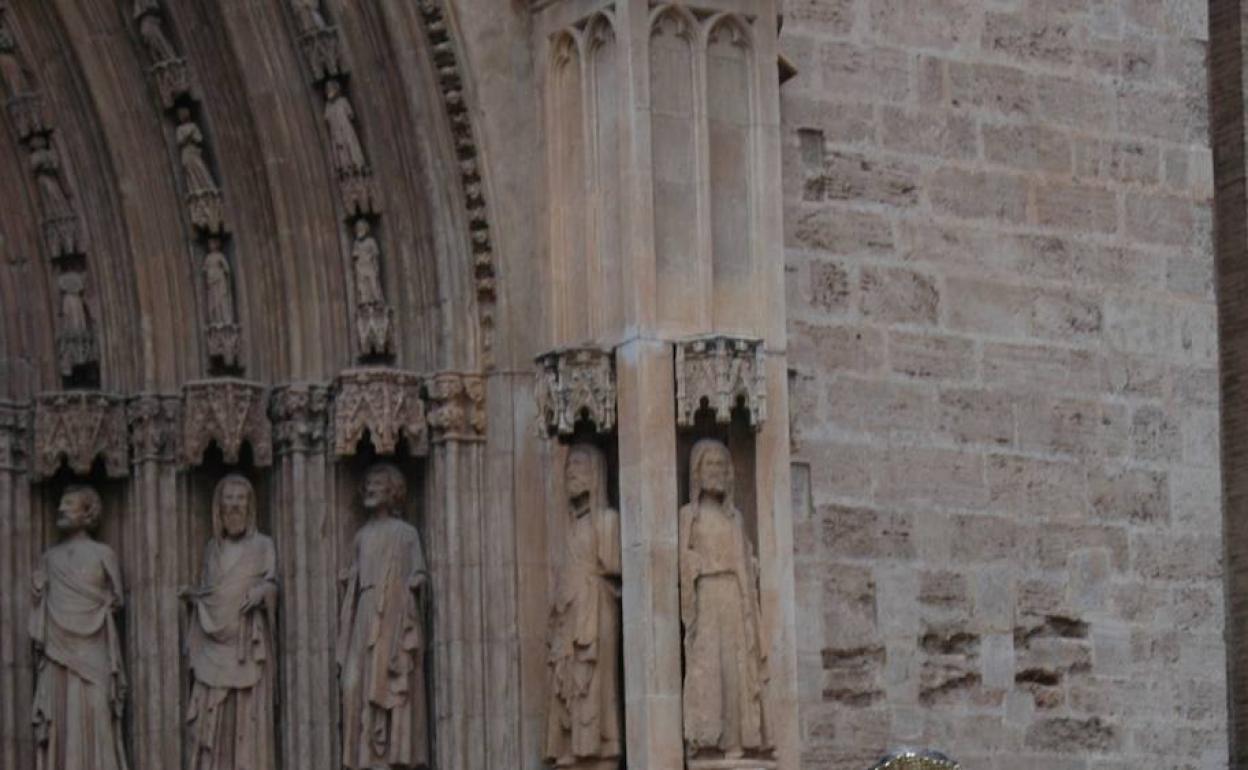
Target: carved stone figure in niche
<point>152,32</point>
<point>191,150</point>
<point>583,720</point>
<point>366,264</point>
<point>10,66</point>
<point>348,154</point>
<point>381,642</point>
<point>308,16</point>
<point>80,689</point>
<point>230,639</point>
<point>725,656</point>
<point>75,319</point>
<point>46,165</point>
<point>218,285</point>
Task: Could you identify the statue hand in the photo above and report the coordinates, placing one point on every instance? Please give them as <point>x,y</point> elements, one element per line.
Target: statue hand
<point>418,582</point>
<point>255,599</point>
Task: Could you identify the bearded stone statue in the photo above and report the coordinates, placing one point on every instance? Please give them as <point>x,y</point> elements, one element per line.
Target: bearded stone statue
<point>583,721</point>
<point>725,661</point>
<point>381,642</point>
<point>230,639</point>
<point>80,683</point>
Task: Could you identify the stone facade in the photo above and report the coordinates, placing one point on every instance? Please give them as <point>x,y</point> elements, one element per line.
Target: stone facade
<point>1004,357</point>
<point>719,384</point>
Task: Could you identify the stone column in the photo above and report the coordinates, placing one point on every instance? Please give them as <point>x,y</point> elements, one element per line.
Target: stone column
<point>664,230</point>
<point>306,539</point>
<point>153,569</point>
<point>18,544</point>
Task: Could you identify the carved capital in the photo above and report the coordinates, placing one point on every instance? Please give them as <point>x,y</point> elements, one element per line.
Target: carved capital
<point>76,427</point>
<point>154,420</point>
<point>384,403</point>
<point>374,325</point>
<point>722,373</point>
<point>26,112</point>
<point>575,384</point>
<point>75,349</point>
<point>173,81</point>
<point>359,194</point>
<point>224,344</point>
<point>456,407</point>
<point>227,412</point>
<point>299,413</point>
<point>14,436</point>
<point>322,52</point>
<point>207,210</point>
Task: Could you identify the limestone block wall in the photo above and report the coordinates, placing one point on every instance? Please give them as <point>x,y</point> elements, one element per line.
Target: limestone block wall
<point>1003,353</point>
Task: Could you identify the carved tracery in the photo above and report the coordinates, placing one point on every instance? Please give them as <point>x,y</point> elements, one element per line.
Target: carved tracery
<point>722,373</point>
<point>384,404</point>
<point>77,428</point>
<point>575,384</point>
<point>228,413</point>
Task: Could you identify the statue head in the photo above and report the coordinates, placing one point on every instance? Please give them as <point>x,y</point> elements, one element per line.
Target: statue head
<point>384,490</point>
<point>361,228</point>
<point>214,244</point>
<point>710,470</point>
<point>585,477</point>
<point>332,89</point>
<point>184,114</point>
<point>233,507</point>
<point>80,509</point>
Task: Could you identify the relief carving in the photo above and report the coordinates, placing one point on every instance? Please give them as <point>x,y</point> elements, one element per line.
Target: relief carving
<point>77,427</point>
<point>724,373</point>
<point>916,760</point>
<point>457,407</point>
<point>26,112</point>
<point>14,435</point>
<point>374,319</point>
<point>724,649</point>
<point>227,412</point>
<point>575,384</point>
<point>584,720</point>
<point>347,153</point>
<point>232,614</point>
<point>173,81</point>
<point>75,340</point>
<point>80,680</point>
<point>382,636</point>
<point>223,332</point>
<point>154,421</point>
<point>12,73</point>
<point>383,403</point>
<point>308,16</point>
<point>299,415</point>
<point>60,222</point>
<point>147,16</point>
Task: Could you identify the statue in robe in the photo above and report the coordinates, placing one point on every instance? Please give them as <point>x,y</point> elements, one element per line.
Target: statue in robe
<point>80,688</point>
<point>230,639</point>
<point>75,320</point>
<point>366,261</point>
<point>725,658</point>
<point>151,31</point>
<point>217,285</point>
<point>584,713</point>
<point>308,16</point>
<point>381,642</point>
<point>11,71</point>
<point>46,165</point>
<point>346,150</point>
<point>191,152</point>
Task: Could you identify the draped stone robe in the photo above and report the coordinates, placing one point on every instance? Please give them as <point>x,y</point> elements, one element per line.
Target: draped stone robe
<point>81,683</point>
<point>583,718</point>
<point>381,648</point>
<point>230,714</point>
<point>719,606</point>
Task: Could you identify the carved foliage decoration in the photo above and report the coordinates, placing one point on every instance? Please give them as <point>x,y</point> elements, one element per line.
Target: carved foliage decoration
<point>154,421</point>
<point>14,435</point>
<point>575,384</point>
<point>917,760</point>
<point>299,415</point>
<point>76,427</point>
<point>383,403</point>
<point>457,407</point>
<point>725,372</point>
<point>227,412</point>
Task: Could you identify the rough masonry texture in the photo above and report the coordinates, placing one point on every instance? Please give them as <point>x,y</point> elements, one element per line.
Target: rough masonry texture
<point>1003,358</point>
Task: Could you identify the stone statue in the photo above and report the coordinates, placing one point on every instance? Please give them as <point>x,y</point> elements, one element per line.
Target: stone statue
<point>719,608</point>
<point>46,165</point>
<point>75,319</point>
<point>80,688</point>
<point>381,642</point>
<point>151,31</point>
<point>583,720</point>
<point>348,154</point>
<point>191,150</point>
<point>217,285</point>
<point>308,16</point>
<point>230,639</point>
<point>366,264</point>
